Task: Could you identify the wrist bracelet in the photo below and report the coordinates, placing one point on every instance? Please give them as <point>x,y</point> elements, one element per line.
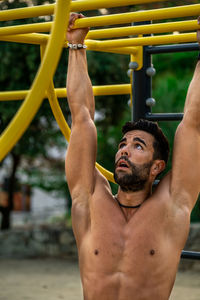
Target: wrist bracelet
<point>76,46</point>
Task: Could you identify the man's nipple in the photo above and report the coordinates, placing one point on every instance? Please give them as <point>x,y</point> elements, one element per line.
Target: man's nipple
<point>152,252</point>
<point>96,252</point>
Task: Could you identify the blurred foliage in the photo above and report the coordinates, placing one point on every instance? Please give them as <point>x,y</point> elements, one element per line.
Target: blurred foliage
<point>35,150</point>
<point>19,64</point>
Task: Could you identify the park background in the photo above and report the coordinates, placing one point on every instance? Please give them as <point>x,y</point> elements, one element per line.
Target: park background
<point>32,176</point>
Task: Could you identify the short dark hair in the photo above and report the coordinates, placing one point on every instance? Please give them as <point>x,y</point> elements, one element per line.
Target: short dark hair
<point>161,144</point>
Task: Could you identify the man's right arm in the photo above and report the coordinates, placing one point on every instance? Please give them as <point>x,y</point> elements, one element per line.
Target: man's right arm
<point>81,153</point>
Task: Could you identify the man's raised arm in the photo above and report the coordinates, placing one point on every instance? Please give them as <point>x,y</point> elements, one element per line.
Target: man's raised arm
<point>185,184</point>
<point>81,153</point>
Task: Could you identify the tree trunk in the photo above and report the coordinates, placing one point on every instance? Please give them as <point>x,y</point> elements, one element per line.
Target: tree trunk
<point>5,224</point>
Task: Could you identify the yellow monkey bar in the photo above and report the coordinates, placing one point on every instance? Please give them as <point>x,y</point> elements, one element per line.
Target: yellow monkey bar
<point>122,44</point>
<point>38,39</point>
<point>143,29</point>
<point>107,33</point>
<point>32,38</point>
<point>142,41</point>
<point>34,98</point>
<point>120,89</point>
<point>82,5</point>
<point>34,34</point>
<point>139,16</point>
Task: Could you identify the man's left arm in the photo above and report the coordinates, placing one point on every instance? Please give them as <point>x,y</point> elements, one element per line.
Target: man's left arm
<point>185,180</point>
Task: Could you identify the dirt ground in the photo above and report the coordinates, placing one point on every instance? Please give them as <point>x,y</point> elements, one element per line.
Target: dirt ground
<point>53,279</point>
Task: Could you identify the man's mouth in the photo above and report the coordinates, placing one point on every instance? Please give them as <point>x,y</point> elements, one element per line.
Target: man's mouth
<point>122,164</point>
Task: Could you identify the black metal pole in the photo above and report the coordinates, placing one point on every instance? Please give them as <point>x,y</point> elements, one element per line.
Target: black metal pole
<point>190,255</point>
<point>141,87</point>
<point>164,117</point>
<point>172,48</point>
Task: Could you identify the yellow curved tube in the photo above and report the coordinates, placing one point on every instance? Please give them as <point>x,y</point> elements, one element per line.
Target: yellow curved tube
<point>54,104</point>
<point>34,98</point>
<point>43,84</point>
<point>57,112</point>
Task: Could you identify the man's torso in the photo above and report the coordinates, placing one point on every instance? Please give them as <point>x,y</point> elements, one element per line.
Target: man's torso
<point>131,259</point>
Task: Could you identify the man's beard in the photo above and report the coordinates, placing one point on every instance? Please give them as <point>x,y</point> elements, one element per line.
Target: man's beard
<point>136,180</point>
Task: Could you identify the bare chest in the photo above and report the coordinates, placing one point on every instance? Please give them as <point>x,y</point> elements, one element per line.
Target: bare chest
<point>117,245</point>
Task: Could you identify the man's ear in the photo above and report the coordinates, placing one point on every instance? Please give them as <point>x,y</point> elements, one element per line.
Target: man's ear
<point>157,167</point>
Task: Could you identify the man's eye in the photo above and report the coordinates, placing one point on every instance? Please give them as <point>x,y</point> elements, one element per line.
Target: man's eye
<point>121,145</point>
<point>138,146</point>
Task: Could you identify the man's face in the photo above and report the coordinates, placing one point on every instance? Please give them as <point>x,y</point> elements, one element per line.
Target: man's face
<point>133,160</point>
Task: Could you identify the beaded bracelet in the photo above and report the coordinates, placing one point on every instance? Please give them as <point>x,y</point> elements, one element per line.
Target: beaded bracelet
<point>76,46</point>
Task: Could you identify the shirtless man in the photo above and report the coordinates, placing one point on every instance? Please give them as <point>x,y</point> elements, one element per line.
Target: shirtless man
<point>131,252</point>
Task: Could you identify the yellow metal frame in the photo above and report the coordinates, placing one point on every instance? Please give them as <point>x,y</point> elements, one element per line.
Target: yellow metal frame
<point>51,46</point>
<point>143,41</point>
<point>140,16</point>
<point>109,32</point>
<point>115,89</point>
<point>57,112</point>
<point>34,98</point>
<point>143,29</point>
<point>81,5</point>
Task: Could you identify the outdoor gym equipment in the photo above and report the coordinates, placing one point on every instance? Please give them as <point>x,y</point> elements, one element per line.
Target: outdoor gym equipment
<point>105,40</point>
<point>159,37</point>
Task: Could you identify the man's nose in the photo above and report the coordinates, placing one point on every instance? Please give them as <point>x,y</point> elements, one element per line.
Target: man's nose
<point>125,151</point>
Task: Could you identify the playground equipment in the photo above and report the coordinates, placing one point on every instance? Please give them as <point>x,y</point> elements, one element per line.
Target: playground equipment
<point>159,38</point>
<point>140,55</point>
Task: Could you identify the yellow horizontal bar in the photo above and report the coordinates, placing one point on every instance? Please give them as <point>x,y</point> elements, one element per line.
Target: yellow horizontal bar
<point>28,109</point>
<point>27,28</point>
<point>43,10</point>
<point>38,39</point>
<point>120,89</point>
<point>110,32</point>
<point>154,14</point>
<point>143,29</point>
<point>96,4</point>
<point>144,41</point>
<point>31,38</point>
<point>121,50</point>
<point>13,95</point>
<point>27,12</point>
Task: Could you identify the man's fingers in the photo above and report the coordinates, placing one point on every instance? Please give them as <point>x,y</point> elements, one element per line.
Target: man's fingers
<point>81,16</point>
<point>198,31</point>
<point>73,17</point>
<point>198,36</point>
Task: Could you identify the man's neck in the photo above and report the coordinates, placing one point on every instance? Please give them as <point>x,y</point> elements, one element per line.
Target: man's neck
<point>133,198</point>
<point>131,202</point>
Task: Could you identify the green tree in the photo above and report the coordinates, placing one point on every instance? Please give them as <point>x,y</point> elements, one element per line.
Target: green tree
<point>31,155</point>
<point>174,73</point>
